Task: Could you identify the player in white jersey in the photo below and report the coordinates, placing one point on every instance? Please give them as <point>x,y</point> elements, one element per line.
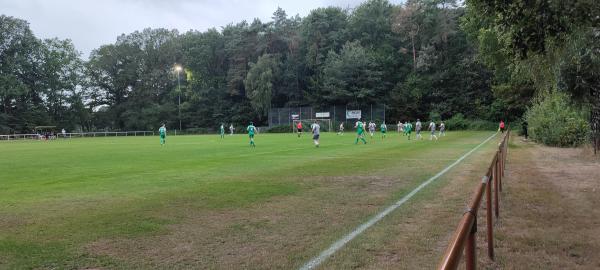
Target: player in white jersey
<point>442,129</point>
<point>316,132</point>
<point>341,130</point>
<point>400,127</point>
<point>432,129</point>
<point>371,129</point>
<point>231,129</point>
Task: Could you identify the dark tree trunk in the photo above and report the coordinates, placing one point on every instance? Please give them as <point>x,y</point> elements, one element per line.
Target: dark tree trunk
<point>595,118</point>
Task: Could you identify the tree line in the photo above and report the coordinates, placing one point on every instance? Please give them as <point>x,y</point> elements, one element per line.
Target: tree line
<point>545,57</point>
<point>418,58</point>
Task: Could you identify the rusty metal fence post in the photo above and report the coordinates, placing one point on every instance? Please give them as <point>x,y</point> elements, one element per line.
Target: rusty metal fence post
<point>471,248</point>
<point>488,216</point>
<point>464,238</point>
<point>497,179</point>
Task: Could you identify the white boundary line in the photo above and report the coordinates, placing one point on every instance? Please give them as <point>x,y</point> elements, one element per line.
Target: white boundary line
<point>316,261</point>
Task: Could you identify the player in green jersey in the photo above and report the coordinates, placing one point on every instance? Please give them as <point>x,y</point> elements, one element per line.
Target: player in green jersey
<point>222,131</point>
<point>163,134</point>
<point>251,129</point>
<point>360,132</point>
<point>408,129</point>
<point>383,129</point>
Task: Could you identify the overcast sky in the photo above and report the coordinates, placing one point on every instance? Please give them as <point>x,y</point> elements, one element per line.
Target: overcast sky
<point>93,23</point>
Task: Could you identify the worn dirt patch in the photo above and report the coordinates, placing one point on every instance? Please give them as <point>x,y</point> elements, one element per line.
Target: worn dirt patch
<point>262,236</point>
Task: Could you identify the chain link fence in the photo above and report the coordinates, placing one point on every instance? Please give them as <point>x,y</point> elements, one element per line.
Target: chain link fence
<point>337,114</point>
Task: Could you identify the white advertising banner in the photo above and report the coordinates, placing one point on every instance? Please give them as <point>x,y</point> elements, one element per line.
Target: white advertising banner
<point>353,114</point>
<point>322,115</point>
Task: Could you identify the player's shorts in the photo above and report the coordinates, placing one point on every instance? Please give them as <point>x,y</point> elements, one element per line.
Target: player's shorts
<point>383,131</point>
<point>299,130</point>
<point>162,136</point>
<point>315,136</point>
<point>251,136</point>
<point>433,132</point>
<point>360,133</point>
<point>418,132</point>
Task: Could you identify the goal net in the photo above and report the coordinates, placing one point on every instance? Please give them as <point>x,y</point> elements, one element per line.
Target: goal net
<point>306,124</point>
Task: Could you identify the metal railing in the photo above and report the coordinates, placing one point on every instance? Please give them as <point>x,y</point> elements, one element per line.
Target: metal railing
<point>464,237</point>
<point>76,135</point>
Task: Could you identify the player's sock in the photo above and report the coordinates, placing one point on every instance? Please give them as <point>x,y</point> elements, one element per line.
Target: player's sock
<point>356,141</point>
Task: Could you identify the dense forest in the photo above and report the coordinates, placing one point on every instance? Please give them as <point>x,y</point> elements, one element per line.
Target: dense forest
<point>549,50</point>
<point>429,59</point>
<point>415,58</point>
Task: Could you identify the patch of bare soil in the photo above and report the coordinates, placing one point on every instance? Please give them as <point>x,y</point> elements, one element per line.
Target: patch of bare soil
<point>277,234</point>
<point>550,210</point>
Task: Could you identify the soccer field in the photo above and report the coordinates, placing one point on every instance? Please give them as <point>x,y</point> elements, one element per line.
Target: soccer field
<point>206,202</point>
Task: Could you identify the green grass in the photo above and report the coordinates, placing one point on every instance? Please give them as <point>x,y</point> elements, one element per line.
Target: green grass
<point>58,197</point>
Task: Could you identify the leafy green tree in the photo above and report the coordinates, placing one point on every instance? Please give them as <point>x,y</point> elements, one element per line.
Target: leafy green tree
<point>259,83</point>
<point>409,21</point>
<point>322,31</point>
<point>542,40</point>
<point>61,71</point>
<point>351,77</point>
<point>20,52</point>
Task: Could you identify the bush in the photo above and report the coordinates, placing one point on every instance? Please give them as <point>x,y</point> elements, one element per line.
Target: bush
<point>555,121</point>
<point>481,125</point>
<point>280,129</point>
<point>457,122</point>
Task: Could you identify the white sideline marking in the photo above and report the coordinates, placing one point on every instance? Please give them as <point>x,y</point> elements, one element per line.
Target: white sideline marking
<point>316,261</point>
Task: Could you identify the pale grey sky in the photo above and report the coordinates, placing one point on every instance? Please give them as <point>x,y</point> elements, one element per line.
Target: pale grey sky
<point>91,23</point>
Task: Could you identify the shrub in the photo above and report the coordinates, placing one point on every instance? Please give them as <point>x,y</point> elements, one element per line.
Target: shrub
<point>280,129</point>
<point>555,121</point>
<point>481,125</point>
<point>457,122</point>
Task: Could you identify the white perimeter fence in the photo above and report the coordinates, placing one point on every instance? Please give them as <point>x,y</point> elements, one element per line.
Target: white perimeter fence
<point>76,135</point>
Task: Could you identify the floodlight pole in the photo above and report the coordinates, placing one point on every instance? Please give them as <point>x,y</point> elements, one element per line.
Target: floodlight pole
<point>179,97</point>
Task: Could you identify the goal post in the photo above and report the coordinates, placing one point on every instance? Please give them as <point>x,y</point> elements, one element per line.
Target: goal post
<point>325,124</point>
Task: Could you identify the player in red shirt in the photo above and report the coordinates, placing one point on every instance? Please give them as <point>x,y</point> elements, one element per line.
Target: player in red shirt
<point>299,129</point>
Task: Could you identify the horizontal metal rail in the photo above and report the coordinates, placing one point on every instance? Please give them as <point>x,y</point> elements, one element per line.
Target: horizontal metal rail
<point>464,238</point>
<point>34,136</point>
